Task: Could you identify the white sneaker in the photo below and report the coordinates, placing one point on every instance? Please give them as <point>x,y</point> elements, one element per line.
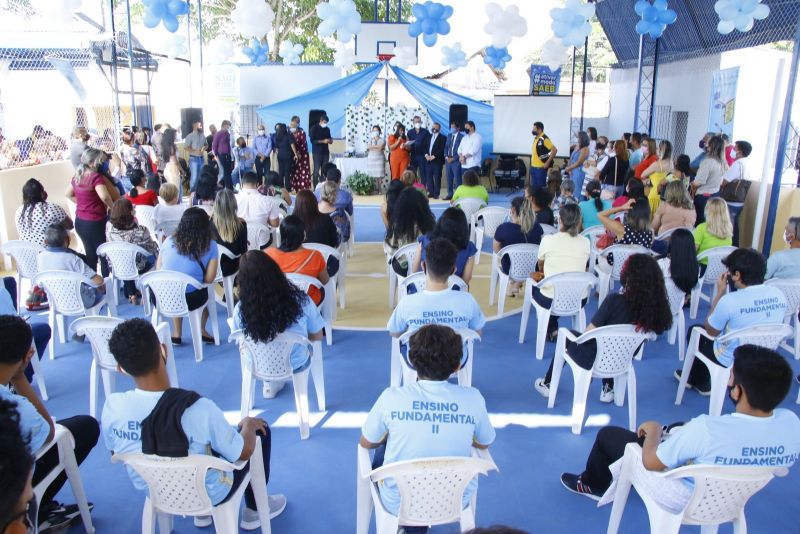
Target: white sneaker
<point>271,389</point>
<point>202,521</point>
<point>607,394</point>
<point>542,388</point>
<point>250,519</point>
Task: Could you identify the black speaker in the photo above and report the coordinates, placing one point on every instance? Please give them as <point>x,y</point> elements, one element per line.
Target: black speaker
<point>313,117</point>
<point>459,114</point>
<point>188,117</point>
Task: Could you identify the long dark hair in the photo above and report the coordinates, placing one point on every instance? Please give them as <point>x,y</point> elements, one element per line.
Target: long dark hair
<point>32,193</point>
<point>268,302</point>
<point>683,268</point>
<point>206,187</point>
<point>307,209</point>
<point>293,233</point>
<point>167,143</point>
<point>193,235</point>
<point>137,178</point>
<point>644,292</point>
<point>593,189</point>
<point>280,132</point>
<point>410,218</point>
<point>452,225</point>
<point>683,164</point>
<point>392,194</point>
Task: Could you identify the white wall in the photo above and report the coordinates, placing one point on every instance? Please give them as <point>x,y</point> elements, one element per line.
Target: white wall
<point>269,84</point>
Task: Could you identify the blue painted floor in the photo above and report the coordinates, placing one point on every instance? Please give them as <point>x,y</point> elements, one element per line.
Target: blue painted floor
<point>534,444</point>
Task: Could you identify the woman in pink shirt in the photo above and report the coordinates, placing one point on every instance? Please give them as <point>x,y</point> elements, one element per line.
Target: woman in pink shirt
<point>92,192</point>
<point>677,209</point>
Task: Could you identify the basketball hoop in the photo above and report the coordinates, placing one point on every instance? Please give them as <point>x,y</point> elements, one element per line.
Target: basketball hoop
<point>385,57</point>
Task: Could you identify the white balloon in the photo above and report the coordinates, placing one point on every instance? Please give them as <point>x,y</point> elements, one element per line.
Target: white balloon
<point>290,52</point>
<point>504,24</point>
<point>344,58</point>
<point>553,53</point>
<point>175,45</point>
<point>404,57</point>
<point>340,17</point>
<point>252,18</point>
<point>58,12</point>
<point>220,50</point>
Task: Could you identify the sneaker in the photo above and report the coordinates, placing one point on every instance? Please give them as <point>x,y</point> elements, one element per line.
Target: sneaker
<point>607,394</point>
<point>542,388</point>
<point>573,483</point>
<point>203,521</point>
<point>271,389</point>
<point>250,519</point>
<point>57,517</point>
<point>704,390</point>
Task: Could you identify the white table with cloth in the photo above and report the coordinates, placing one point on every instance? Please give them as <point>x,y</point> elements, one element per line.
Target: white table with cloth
<point>351,164</point>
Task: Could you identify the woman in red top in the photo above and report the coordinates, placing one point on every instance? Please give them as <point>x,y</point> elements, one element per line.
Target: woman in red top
<point>92,192</point>
<point>292,257</point>
<point>652,157</point>
<point>139,195</point>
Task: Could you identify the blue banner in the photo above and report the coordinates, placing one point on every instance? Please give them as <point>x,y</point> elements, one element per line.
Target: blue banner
<point>544,81</point>
<point>722,107</point>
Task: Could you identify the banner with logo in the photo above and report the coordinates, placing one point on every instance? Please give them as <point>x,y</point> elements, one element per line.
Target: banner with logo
<point>544,81</point>
<point>722,107</point>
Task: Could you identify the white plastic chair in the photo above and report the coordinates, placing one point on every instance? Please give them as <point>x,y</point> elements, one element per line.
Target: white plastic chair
<point>25,256</point>
<point>431,491</point>
<point>720,493</point>
<point>303,282</point>
<point>791,290</point>
<point>409,252</point>
<point>523,258</point>
<point>491,217</point>
<point>38,373</point>
<point>608,275</point>
<point>227,281</point>
<point>419,280</point>
<point>122,259</point>
<point>334,281</point>
<point>350,244</point>
<point>165,229</point>
<point>593,233</point>
<point>271,362</point>
<point>763,335</point>
<point>470,207</point>
<point>169,288</point>
<point>66,462</point>
<point>548,229</point>
<point>98,331</point>
<point>667,234</point>
<point>713,272</point>
<point>145,217</point>
<point>258,233</point>
<point>401,373</point>
<point>63,290</point>
<point>177,486</point>
<point>677,333</point>
<point>569,291</point>
<point>617,345</point>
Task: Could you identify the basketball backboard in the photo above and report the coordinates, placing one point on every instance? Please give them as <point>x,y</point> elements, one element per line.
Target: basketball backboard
<point>380,38</point>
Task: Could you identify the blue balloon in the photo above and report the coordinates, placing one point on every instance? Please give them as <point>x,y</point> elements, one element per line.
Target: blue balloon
<point>257,52</point>
<point>431,21</point>
<point>496,57</point>
<point>655,17</point>
<point>165,12</point>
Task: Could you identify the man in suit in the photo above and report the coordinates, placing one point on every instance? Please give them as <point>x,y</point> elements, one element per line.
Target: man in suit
<point>418,138</point>
<point>434,161</point>
<point>453,164</point>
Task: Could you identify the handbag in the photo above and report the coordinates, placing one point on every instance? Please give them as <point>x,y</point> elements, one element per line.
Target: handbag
<point>605,241</point>
<point>735,191</point>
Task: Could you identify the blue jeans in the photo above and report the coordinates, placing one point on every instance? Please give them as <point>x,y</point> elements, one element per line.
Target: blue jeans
<point>195,164</point>
<point>538,176</point>
<point>453,176</point>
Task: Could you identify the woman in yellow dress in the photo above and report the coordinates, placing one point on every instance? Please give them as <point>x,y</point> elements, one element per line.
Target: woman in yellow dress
<point>656,173</point>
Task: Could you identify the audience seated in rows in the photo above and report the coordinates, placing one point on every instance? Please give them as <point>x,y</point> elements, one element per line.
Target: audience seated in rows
<point>255,207</point>
<point>228,230</point>
<point>139,193</point>
<point>411,217</point>
<point>566,196</point>
<point>123,228</point>
<point>716,230</point>
<point>451,225</point>
<point>680,262</point>
<point>205,191</point>
<point>344,198</point>
<point>677,210</point>
<point>169,207</point>
<point>293,257</point>
<point>540,200</point>
<point>593,205</point>
<point>470,188</point>
<point>273,187</point>
<point>57,256</point>
<point>633,189</point>
<point>786,263</point>
<point>329,193</point>
<point>522,228</point>
<point>636,228</point>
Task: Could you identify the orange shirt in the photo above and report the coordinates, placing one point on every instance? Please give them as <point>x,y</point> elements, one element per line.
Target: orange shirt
<point>301,261</point>
<point>642,166</point>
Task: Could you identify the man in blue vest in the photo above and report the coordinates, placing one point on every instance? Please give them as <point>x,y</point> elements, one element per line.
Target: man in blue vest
<point>453,165</point>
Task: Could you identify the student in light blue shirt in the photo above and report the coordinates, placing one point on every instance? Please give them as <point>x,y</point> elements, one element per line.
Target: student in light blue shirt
<point>138,352</point>
<point>270,305</point>
<point>758,433</point>
<point>786,263</point>
<point>438,303</point>
<point>430,417</point>
<point>749,303</point>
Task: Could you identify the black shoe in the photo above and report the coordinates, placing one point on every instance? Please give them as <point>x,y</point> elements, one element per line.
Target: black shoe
<point>573,483</point>
<point>176,341</point>
<point>448,197</point>
<point>552,337</point>
<point>56,517</point>
<point>702,389</point>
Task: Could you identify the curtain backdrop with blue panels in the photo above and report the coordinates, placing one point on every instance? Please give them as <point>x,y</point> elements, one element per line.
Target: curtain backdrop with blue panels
<point>333,98</point>
<point>437,100</point>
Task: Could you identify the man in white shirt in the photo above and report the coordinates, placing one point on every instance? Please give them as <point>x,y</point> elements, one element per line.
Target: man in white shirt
<point>255,207</point>
<point>470,150</point>
<point>740,169</point>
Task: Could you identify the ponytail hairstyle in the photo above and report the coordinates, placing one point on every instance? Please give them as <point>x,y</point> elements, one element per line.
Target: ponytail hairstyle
<point>593,189</point>
<point>137,180</point>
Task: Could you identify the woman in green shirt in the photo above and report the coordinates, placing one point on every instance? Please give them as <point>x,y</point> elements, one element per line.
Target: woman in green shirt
<point>716,231</point>
<point>470,188</point>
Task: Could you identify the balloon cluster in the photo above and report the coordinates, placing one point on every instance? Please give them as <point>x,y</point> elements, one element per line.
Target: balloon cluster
<point>257,52</point>
<point>404,57</point>
<point>340,17</point>
<point>220,50</point>
<point>453,57</point>
<point>175,45</point>
<point>496,57</point>
<point>59,13</point>
<point>553,53</point>
<point>164,11</point>
<point>431,21</point>
<point>655,17</point>
<point>344,57</point>
<point>290,52</point>
<point>571,22</point>
<point>504,24</point>
<point>739,14</point>
<point>252,18</point>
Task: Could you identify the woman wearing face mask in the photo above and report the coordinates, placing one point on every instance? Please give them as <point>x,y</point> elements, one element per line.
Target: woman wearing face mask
<point>287,154</point>
<point>301,170</point>
<point>376,164</point>
<point>400,157</point>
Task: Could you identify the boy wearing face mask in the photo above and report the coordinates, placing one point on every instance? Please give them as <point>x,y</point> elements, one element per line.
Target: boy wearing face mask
<point>418,138</point>
<point>262,144</point>
<point>320,151</point>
